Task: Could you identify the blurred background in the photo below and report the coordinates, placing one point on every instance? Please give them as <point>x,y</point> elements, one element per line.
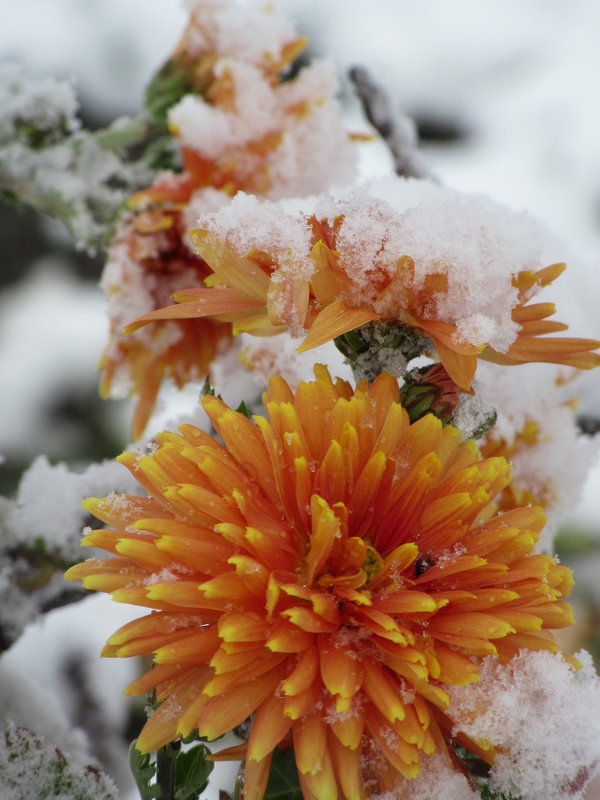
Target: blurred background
<point>504,95</point>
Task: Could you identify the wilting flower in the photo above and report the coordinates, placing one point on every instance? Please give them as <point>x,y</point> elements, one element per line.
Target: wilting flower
<point>331,570</point>
<point>146,262</point>
<point>459,270</point>
<point>237,126</point>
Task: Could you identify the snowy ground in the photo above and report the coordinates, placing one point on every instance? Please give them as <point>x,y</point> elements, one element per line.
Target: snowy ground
<point>516,80</point>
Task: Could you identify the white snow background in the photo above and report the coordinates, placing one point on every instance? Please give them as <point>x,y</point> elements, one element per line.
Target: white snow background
<point>520,77</point>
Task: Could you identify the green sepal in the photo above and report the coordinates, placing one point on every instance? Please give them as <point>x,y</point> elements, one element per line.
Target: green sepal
<point>167,87</point>
<point>208,390</point>
<point>243,409</point>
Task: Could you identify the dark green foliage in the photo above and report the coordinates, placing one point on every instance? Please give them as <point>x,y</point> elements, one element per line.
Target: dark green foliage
<point>191,772</point>
<point>283,779</point>
<point>182,774</point>
<point>488,794</point>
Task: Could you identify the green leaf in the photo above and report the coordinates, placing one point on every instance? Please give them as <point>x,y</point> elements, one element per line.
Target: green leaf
<point>191,772</point>
<point>123,133</point>
<point>283,778</point>
<point>143,772</point>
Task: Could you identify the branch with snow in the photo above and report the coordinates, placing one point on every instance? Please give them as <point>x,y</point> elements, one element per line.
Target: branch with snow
<point>40,536</point>
<point>395,128</point>
<point>32,768</point>
<point>49,162</point>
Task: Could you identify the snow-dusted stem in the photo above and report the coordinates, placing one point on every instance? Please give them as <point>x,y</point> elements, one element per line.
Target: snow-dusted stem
<point>32,583</point>
<point>396,129</point>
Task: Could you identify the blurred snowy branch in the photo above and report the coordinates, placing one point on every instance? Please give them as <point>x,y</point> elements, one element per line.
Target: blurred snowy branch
<point>40,537</point>
<point>588,424</point>
<point>49,162</point>
<point>396,129</point>
<point>31,768</point>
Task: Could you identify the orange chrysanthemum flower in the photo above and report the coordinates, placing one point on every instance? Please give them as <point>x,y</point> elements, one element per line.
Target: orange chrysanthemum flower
<point>330,570</point>
<point>329,292</point>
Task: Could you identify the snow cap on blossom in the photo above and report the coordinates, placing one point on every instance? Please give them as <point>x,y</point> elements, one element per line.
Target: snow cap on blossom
<point>456,268</point>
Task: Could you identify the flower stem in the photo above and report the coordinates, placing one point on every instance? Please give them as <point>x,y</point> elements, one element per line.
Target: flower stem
<point>165,770</point>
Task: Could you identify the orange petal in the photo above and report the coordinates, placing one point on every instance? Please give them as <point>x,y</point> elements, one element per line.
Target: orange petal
<point>346,765</point>
<point>308,621</point>
<point>460,367</point>
<point>224,712</point>
<point>476,624</point>
<point>383,690</point>
<point>325,528</point>
<point>208,303</point>
<point>407,601</point>
<point>348,727</point>
<point>286,637</point>
<point>269,726</point>
<point>161,728</point>
<point>334,320</point>
<point>243,626</point>
<point>194,649</point>
<point>304,674</point>
<point>256,777</point>
<point>154,676</point>
<point>231,269</point>
<point>310,743</point>
<point>320,783</point>
<point>298,705</point>
<point>341,670</point>
<point>456,668</point>
<point>402,756</point>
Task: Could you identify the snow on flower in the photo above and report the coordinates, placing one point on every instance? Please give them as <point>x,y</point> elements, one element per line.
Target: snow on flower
<point>457,268</point>
<point>543,716</point>
<point>333,570</point>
